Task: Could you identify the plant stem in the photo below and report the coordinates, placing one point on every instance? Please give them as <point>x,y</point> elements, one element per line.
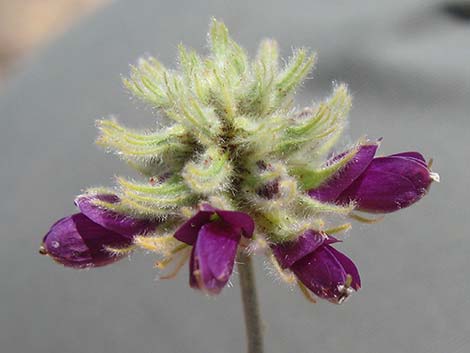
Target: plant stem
<point>254,329</point>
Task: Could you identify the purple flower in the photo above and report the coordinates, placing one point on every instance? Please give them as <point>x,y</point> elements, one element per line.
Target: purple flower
<point>390,183</point>
<point>118,223</point>
<point>332,188</point>
<point>214,235</point>
<point>80,240</point>
<point>378,185</point>
<point>318,266</point>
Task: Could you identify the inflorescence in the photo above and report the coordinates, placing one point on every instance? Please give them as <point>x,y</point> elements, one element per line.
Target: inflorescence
<point>237,168</point>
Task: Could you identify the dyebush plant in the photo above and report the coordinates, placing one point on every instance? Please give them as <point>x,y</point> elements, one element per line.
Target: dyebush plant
<point>237,170</point>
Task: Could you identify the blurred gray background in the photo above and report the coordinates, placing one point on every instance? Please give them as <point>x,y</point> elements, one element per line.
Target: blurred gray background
<point>407,64</point>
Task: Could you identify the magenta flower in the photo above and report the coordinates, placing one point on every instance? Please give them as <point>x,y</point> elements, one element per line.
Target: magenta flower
<point>378,185</point>
<point>336,184</point>
<point>122,224</point>
<point>214,235</point>
<point>80,240</point>
<point>318,266</point>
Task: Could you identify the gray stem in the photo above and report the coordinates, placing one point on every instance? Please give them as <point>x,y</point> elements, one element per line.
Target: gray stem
<point>254,329</point>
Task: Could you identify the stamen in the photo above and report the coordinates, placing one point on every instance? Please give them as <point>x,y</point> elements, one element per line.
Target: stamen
<point>160,244</point>
<point>179,248</point>
<point>341,228</point>
<point>178,266</point>
<point>197,276</point>
<point>120,251</point>
<point>287,277</point>
<point>365,219</point>
<point>163,263</point>
<point>348,281</point>
<point>306,293</point>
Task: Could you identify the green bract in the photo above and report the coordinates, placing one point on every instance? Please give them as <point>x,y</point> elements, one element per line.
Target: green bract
<point>234,132</point>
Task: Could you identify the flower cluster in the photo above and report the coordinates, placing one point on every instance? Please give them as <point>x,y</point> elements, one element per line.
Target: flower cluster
<point>236,168</point>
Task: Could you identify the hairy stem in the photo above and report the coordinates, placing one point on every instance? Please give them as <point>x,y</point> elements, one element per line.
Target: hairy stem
<point>254,329</point>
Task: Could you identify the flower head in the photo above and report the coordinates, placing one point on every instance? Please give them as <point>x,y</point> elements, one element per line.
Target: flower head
<point>84,239</point>
<point>214,235</point>
<point>233,139</point>
<point>321,268</point>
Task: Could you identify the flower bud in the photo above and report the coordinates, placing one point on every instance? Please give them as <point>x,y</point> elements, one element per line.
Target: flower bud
<point>377,185</point>
<point>318,266</point>
<point>81,240</point>
<point>122,224</point>
<point>78,242</point>
<point>390,183</point>
<point>332,188</point>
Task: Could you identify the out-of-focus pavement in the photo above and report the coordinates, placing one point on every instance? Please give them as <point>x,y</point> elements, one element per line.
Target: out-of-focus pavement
<point>28,24</point>
<point>407,63</point>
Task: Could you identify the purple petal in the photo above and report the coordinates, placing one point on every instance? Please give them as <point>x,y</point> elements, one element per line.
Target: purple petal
<point>290,252</point>
<point>349,267</point>
<point>213,257</point>
<point>122,224</point>
<point>389,184</point>
<point>202,279</point>
<point>76,241</point>
<point>332,188</point>
<point>415,155</point>
<point>238,220</point>
<point>322,273</point>
<point>217,244</point>
<point>189,230</point>
<point>331,240</point>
